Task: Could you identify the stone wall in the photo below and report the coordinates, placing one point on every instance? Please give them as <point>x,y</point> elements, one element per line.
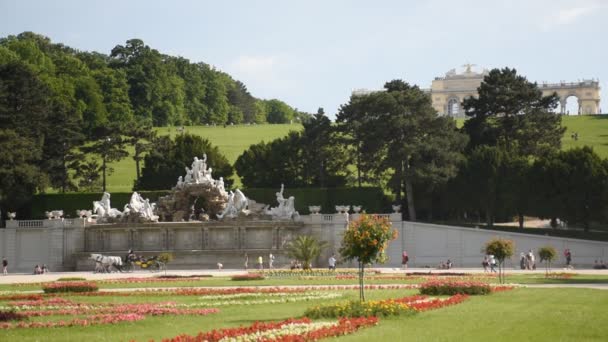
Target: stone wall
<point>66,245</point>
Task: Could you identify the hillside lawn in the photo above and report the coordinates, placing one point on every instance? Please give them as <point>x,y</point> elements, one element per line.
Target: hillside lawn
<point>233,140</point>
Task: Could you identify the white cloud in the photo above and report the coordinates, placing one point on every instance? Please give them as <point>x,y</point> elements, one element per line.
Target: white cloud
<point>569,15</point>
<point>255,65</point>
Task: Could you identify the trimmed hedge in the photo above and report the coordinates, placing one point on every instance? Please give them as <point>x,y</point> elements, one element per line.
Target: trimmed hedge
<point>249,276</point>
<point>372,199</point>
<point>69,287</point>
<point>449,288</point>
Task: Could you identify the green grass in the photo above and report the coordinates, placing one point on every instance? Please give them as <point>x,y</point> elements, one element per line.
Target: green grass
<point>232,141</point>
<point>518,315</point>
<point>225,281</point>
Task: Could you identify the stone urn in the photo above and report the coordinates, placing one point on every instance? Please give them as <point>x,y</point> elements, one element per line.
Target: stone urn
<point>314,209</point>
<point>48,214</point>
<point>12,215</point>
<point>357,209</point>
<point>396,208</point>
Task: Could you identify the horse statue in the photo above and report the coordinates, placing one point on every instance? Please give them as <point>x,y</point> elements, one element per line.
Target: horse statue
<point>103,263</point>
<point>237,203</point>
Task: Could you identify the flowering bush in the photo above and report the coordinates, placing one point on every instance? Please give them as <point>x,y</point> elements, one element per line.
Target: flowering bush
<point>365,240</point>
<point>248,276</point>
<point>448,288</point>
<point>70,287</point>
<point>425,305</point>
<point>72,279</point>
<point>11,315</point>
<point>359,309</point>
<point>288,330</point>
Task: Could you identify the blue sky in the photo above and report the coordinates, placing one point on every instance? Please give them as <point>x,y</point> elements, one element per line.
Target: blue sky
<point>314,53</point>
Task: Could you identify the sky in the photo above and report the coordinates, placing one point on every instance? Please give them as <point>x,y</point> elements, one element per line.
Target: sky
<point>312,53</point>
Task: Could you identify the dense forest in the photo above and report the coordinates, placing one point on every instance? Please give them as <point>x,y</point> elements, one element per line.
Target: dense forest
<point>137,81</point>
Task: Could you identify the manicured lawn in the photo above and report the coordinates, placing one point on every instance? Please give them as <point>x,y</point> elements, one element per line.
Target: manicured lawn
<point>517,315</point>
<point>327,280</point>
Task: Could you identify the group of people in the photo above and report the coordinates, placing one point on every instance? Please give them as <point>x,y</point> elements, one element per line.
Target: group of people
<point>260,263</point>
<point>41,269</point>
<point>527,261</point>
<point>445,265</point>
<point>489,263</point>
<point>600,265</point>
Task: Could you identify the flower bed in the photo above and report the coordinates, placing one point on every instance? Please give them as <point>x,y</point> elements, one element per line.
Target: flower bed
<point>70,287</point>
<point>449,288</point>
<point>288,330</point>
<point>11,315</point>
<point>359,309</point>
<point>388,307</point>
<point>248,276</point>
<point>90,320</point>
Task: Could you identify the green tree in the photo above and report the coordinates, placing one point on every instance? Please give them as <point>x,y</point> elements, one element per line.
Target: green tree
<point>168,158</point>
<point>365,240</point>
<point>418,145</point>
<point>89,174</point>
<point>20,176</point>
<point>278,112</point>
<point>305,248</point>
<point>140,134</point>
<point>547,254</point>
<point>501,249</point>
<point>512,111</point>
<point>571,185</point>
<point>109,145</point>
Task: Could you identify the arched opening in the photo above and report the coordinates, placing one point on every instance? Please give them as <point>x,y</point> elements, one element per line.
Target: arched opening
<point>453,107</point>
<point>572,106</point>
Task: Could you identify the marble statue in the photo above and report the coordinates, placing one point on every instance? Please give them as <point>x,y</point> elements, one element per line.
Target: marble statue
<point>138,207</point>
<point>180,182</point>
<point>286,209</point>
<point>237,203</point>
<point>104,210</point>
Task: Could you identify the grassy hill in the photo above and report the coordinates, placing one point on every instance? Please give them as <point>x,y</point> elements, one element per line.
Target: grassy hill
<point>233,140</point>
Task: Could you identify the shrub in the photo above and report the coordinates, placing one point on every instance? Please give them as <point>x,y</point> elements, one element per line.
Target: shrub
<point>70,287</point>
<point>72,279</point>
<point>449,288</point>
<point>11,315</point>
<point>249,276</point>
<point>359,309</point>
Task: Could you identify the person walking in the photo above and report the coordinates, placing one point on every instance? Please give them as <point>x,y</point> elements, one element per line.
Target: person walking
<point>492,264</point>
<point>332,263</point>
<point>568,256</point>
<point>404,259</point>
<point>246,261</point>
<point>270,261</point>
<point>260,262</point>
<point>4,266</point>
<point>485,263</point>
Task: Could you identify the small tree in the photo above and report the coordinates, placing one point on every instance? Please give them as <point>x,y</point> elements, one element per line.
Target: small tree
<point>305,249</point>
<point>501,249</point>
<point>366,239</point>
<point>547,254</point>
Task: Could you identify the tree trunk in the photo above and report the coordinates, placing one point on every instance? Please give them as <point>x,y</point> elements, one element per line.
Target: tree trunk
<point>489,221</point>
<point>521,221</point>
<point>361,284</point>
<point>409,193</point>
<point>358,165</point>
<point>103,172</point>
<point>137,167</point>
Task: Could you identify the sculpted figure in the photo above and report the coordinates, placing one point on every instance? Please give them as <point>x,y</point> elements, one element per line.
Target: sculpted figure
<point>188,178</point>
<point>180,182</point>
